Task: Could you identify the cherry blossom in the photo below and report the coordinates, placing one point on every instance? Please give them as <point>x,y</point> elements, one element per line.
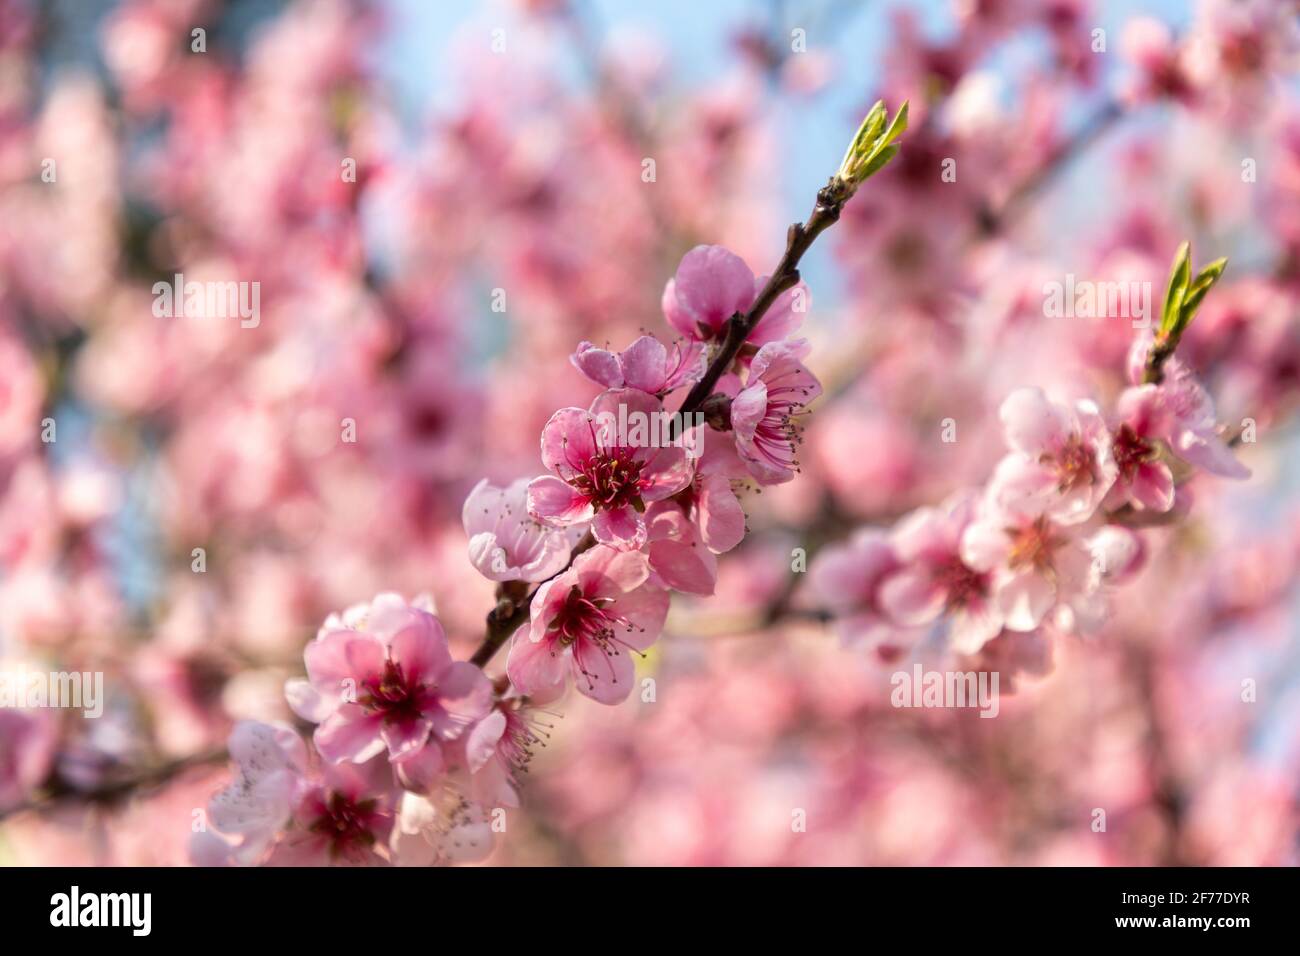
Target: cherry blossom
<point>763,414</point>
<point>508,544</point>
<point>646,364</point>
<point>1062,455</point>
<point>389,685</point>
<point>933,579</point>
<point>588,623</point>
<point>597,476</point>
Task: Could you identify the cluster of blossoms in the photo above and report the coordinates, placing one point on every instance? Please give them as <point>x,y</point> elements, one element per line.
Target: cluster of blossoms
<point>1054,529</point>
<point>414,752</point>
<point>176,435</point>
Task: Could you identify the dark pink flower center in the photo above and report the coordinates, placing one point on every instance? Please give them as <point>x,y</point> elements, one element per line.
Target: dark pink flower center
<point>961,583</point>
<point>1131,450</point>
<point>347,825</point>
<point>778,432</point>
<point>394,696</point>
<point>1033,545</point>
<point>1076,464</point>
<point>523,732</point>
<point>591,626</point>
<point>611,479</point>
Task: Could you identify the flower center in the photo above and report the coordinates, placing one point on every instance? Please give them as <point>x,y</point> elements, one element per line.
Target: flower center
<point>1130,450</point>
<point>393,696</point>
<point>589,625</point>
<point>611,480</point>
<point>1032,545</point>
<point>346,824</point>
<point>584,618</point>
<point>1076,464</point>
<point>961,583</point>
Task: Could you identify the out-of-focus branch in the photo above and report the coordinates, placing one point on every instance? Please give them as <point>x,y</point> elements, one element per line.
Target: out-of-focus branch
<point>1021,196</point>
<point>112,790</point>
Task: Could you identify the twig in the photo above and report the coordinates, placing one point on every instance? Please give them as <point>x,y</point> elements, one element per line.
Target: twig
<point>512,608</point>
<point>1092,130</point>
<point>59,789</point>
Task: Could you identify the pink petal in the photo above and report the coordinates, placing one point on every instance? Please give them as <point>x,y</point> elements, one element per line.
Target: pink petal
<point>665,472</point>
<point>974,626</point>
<point>645,364</point>
<point>568,441</point>
<point>985,544</point>
<point>620,528</point>
<point>781,320</point>
<point>604,677</point>
<point>1024,600</point>
<point>421,650</point>
<point>684,567</point>
<point>536,665</point>
<point>481,742</point>
<point>404,737</point>
<point>341,656</point>
<point>646,609</point>
<point>556,502</point>
<point>350,734</point>
<point>420,769</point>
<point>911,597</point>
<point>1033,424</point>
<point>600,366</point>
<point>1153,486</point>
<point>923,533</point>
<point>607,572</point>
<point>307,702</point>
<point>712,284</point>
<point>678,317</point>
<point>722,520</point>
<point>748,409</point>
<point>464,696</point>
<point>1207,450</point>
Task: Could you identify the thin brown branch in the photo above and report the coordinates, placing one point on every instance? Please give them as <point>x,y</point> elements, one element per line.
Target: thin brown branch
<point>118,788</point>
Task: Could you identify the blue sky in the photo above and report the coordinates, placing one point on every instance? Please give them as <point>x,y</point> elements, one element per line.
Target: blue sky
<point>696,36</point>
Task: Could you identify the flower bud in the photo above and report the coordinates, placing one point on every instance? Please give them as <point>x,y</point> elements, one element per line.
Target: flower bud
<point>872,147</point>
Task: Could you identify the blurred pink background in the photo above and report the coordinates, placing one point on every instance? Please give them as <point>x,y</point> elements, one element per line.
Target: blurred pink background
<point>517,176</point>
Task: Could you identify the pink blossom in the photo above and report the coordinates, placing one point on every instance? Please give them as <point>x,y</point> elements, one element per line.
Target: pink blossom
<point>389,684</point>
<point>587,622</point>
<point>21,393</point>
<point>934,580</point>
<point>344,818</point>
<point>1191,426</point>
<point>848,579</point>
<point>646,364</point>
<point>1151,47</point>
<point>508,544</point>
<point>713,504</point>
<point>271,763</point>
<point>601,476</point>
<point>440,828</point>
<point>763,414</point>
<point>1037,564</point>
<point>1062,455</point>
<point>713,284</point>
<point>678,556</point>
<point>499,748</point>
<point>1142,479</point>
